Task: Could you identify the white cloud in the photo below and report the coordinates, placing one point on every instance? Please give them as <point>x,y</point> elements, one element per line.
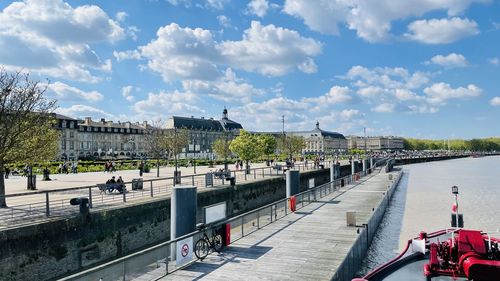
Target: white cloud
<point>441,31</point>
<point>494,61</point>
<point>65,92</point>
<point>168,104</point>
<point>121,16</point>
<point>258,7</point>
<point>224,21</point>
<point>335,95</point>
<point>227,88</point>
<point>271,50</point>
<point>371,19</point>
<point>53,38</point>
<point>127,55</point>
<point>439,93</point>
<point>495,101</point>
<point>348,114</point>
<point>81,111</point>
<point>127,93</point>
<point>184,53</point>
<point>216,4</point>
<point>384,108</point>
<point>320,15</point>
<point>450,61</point>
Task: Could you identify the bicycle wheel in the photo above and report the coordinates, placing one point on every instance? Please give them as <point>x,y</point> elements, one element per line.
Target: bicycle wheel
<point>201,249</point>
<point>217,242</point>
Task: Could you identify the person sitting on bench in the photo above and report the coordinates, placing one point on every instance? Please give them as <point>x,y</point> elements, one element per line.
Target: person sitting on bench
<point>120,186</point>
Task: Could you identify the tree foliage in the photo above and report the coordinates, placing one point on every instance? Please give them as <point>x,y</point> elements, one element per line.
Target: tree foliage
<point>26,123</point>
<point>291,146</point>
<point>486,144</point>
<point>267,145</point>
<point>246,146</point>
<point>221,148</point>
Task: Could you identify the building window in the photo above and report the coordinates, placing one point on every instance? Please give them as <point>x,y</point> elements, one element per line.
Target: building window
<point>63,124</point>
<point>63,144</point>
<point>71,145</point>
<point>71,134</point>
<point>71,125</point>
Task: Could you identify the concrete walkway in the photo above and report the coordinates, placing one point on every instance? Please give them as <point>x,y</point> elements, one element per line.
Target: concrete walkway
<point>307,245</point>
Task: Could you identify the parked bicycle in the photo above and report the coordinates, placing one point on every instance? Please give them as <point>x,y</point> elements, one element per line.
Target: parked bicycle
<point>205,243</point>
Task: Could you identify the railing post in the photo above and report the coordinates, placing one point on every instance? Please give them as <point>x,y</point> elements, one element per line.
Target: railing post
<point>90,197</point>
<point>192,179</point>
<point>151,187</point>
<point>124,195</point>
<point>242,223</point>
<point>258,219</point>
<point>254,175</point>
<point>47,204</point>
<point>245,172</point>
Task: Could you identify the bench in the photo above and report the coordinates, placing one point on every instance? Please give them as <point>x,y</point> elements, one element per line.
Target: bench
<point>222,175</point>
<point>110,187</point>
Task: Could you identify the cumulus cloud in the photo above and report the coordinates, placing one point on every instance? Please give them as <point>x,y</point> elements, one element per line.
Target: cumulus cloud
<point>271,50</point>
<point>228,88</point>
<point>224,21</point>
<point>258,7</point>
<point>439,93</point>
<point>81,111</point>
<point>335,95</point>
<point>127,93</point>
<point>384,108</point>
<point>185,53</point>
<point>441,31</point>
<point>450,61</point>
<point>371,19</point>
<point>494,61</point>
<point>53,38</point>
<point>167,104</point>
<point>64,92</point>
<point>398,90</point>
<point>495,101</point>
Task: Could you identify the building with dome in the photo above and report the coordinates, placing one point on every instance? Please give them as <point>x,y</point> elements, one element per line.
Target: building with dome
<point>320,142</point>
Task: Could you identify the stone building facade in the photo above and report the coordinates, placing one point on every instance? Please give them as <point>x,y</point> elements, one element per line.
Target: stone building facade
<point>203,132</point>
<point>321,142</point>
<point>376,143</point>
<point>104,139</point>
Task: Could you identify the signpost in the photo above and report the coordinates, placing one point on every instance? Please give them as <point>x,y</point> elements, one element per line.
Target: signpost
<point>184,251</point>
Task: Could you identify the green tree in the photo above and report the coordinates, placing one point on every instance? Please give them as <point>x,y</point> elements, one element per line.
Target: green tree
<point>221,149</point>
<point>155,142</point>
<point>291,145</point>
<point>26,123</point>
<point>174,141</point>
<point>246,146</point>
<point>267,145</point>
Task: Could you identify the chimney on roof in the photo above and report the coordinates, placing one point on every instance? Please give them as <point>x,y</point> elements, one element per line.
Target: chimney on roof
<point>87,120</point>
<point>317,124</point>
<point>202,117</point>
<point>103,120</point>
<point>144,124</point>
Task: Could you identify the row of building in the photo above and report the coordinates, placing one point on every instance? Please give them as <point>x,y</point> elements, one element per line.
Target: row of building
<point>89,139</point>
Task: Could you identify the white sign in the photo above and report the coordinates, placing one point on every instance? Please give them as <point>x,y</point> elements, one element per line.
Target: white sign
<point>311,183</point>
<point>184,251</point>
<point>215,212</point>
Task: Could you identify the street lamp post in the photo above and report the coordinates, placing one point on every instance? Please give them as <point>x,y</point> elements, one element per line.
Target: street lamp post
<point>225,152</point>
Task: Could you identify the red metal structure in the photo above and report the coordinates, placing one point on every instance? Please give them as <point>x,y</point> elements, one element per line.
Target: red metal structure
<point>470,254</point>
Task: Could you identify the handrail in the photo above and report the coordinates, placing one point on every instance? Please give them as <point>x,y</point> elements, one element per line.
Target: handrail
<point>210,227</point>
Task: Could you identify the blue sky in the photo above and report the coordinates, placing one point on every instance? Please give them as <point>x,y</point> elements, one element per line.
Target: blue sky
<point>422,68</point>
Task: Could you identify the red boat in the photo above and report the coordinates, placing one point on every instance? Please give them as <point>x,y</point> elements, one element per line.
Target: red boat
<point>456,254</point>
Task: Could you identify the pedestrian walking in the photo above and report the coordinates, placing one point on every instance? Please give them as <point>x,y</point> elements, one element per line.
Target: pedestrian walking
<point>7,172</point>
<point>141,168</point>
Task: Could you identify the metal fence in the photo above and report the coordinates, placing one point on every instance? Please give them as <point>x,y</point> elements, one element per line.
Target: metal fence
<point>40,205</point>
<point>156,262</point>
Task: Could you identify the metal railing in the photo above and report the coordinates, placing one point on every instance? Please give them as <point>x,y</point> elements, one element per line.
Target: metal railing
<point>39,205</point>
<point>156,261</point>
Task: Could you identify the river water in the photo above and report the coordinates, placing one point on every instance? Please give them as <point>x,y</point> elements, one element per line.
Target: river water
<point>423,202</point>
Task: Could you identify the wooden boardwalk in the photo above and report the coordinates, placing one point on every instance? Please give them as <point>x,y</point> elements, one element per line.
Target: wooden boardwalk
<point>307,245</point>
